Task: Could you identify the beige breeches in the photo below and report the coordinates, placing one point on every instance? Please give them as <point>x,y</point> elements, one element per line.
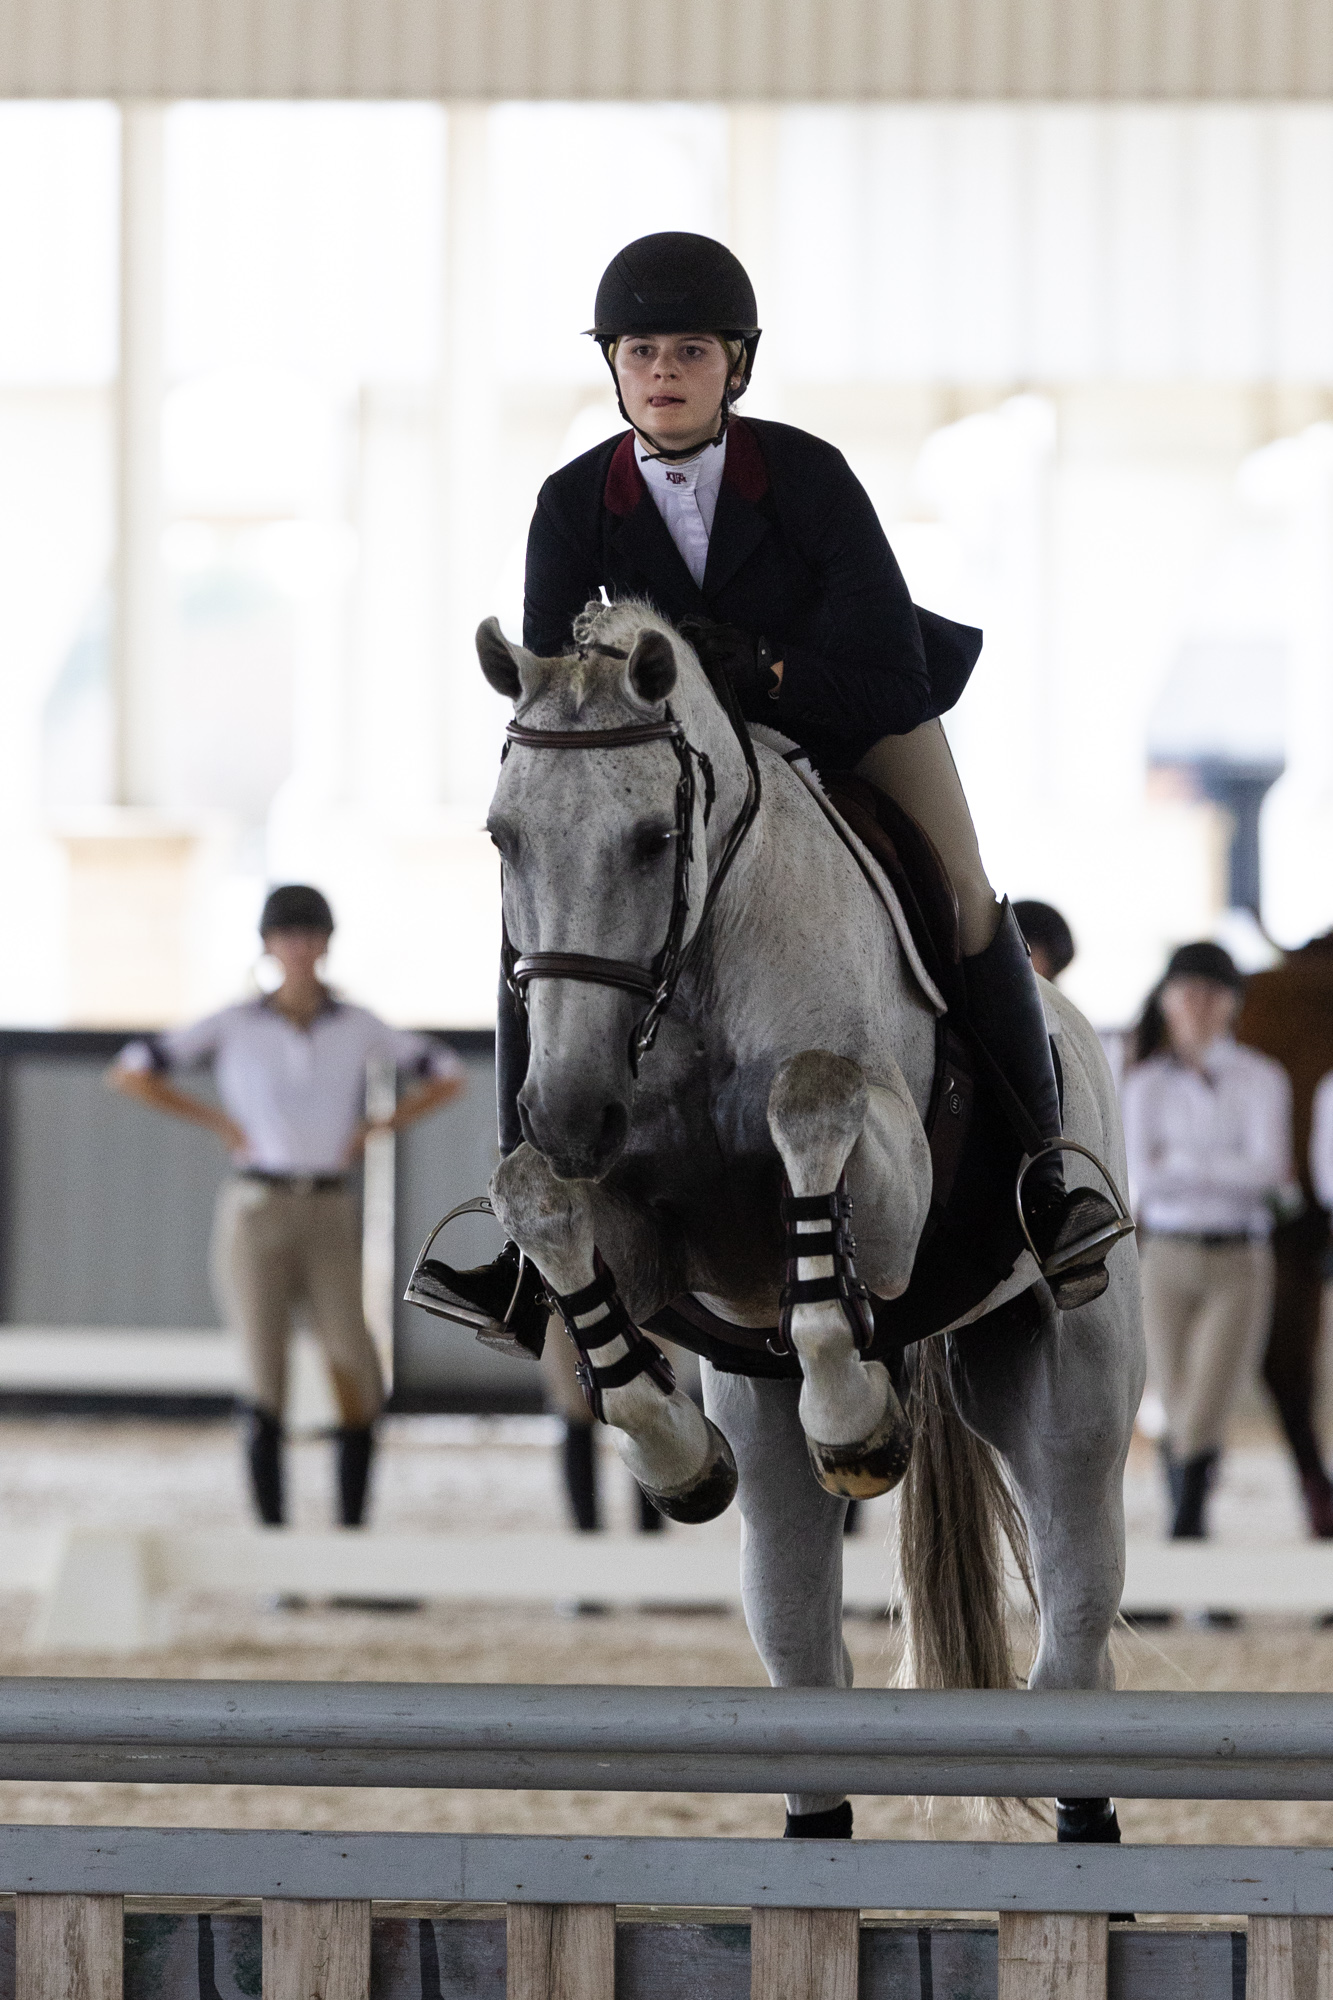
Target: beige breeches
<point>919,774</point>
<point>277,1251</point>
<point>1205,1314</point>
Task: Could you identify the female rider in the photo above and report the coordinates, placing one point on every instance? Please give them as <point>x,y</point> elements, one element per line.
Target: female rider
<point>758,538</point>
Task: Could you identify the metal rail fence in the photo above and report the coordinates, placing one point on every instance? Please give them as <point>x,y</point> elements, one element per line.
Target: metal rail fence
<point>807,1939</point>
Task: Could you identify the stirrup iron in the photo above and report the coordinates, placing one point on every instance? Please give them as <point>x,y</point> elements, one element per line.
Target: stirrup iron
<point>430,1290</point>
<point>1094,1248</point>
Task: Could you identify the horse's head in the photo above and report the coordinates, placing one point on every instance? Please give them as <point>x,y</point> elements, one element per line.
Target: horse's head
<point>604,861</point>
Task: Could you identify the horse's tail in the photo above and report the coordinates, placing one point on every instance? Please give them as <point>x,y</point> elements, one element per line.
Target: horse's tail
<point>956,1514</point>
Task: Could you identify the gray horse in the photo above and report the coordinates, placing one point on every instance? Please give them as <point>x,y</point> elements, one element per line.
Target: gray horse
<point>796,1033</point>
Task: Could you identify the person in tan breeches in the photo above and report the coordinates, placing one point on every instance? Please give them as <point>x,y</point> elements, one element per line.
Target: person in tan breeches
<point>282,1251</point>
<point>291,1073</point>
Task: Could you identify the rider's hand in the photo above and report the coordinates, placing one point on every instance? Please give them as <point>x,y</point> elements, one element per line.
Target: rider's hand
<point>746,660</point>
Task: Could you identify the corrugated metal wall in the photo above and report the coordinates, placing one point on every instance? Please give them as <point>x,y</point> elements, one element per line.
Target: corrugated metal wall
<point>106,1212</point>
<point>706,49</point>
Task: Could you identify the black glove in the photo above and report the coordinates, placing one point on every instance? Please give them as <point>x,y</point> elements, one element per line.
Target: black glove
<point>746,660</point>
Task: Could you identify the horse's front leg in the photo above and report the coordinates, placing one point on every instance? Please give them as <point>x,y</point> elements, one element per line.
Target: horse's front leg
<point>842,1137</point>
<point>679,1458</point>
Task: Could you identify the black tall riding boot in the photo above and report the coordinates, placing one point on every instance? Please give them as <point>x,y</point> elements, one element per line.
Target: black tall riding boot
<point>1174,1474</point>
<point>263,1456</point>
<point>356,1448</point>
<point>489,1288</point>
<point>1072,1231</point>
<point>1196,1477</point>
<point>580,1464</point>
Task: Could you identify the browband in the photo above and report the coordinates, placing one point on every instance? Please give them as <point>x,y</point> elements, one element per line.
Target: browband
<point>593,739</point>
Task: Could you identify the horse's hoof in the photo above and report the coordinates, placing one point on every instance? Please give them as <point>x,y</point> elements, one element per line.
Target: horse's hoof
<point>710,1494</point>
<point>875,1465</point>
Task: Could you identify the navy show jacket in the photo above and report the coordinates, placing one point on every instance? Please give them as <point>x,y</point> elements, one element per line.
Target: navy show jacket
<point>796,554</point>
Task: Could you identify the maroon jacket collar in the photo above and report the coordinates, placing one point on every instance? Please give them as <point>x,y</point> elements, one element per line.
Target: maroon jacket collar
<point>744,471</point>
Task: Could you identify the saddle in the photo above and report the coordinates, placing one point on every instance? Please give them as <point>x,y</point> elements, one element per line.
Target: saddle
<point>971,1239</point>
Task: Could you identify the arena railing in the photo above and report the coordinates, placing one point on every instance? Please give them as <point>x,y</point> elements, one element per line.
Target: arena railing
<point>561,1893</point>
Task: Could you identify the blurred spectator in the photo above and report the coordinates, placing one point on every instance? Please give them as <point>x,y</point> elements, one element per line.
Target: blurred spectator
<point>1321,1142</point>
<point>1208,1137</point>
<point>1288,1014</point>
<point>291,1072</point>
<point>1050,941</point>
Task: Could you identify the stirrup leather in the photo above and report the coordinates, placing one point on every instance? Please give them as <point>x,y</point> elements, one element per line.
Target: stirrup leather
<point>641,1357</point>
<point>835,1241</point>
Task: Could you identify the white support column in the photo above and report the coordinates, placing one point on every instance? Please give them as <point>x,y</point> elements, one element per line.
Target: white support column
<point>132,872</point>
<point>469,446</point>
<point>753,145</point>
<point>137,641</point>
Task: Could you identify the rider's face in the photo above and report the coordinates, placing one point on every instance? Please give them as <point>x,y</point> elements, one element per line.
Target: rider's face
<point>672,385</point>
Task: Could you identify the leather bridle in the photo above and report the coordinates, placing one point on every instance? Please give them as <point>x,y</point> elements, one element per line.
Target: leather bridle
<point>656,983</point>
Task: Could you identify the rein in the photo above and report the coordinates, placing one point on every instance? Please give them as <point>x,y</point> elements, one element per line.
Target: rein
<point>657,982</point>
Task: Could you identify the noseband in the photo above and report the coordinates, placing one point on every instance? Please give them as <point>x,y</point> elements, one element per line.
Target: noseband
<point>656,983</point>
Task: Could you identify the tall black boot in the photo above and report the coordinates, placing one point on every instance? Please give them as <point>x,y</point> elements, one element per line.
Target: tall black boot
<point>580,1462</point>
<point>263,1457</point>
<point>1072,1231</point>
<point>356,1448</point>
<point>1174,1474</point>
<point>1196,1477</point>
<point>490,1288</point>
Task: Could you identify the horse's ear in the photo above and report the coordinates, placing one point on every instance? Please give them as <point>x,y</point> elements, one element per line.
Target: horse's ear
<point>497,660</point>
<point>652,666</point>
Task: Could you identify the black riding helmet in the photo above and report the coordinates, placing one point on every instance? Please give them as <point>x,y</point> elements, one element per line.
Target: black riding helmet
<point>675,282</point>
<point>295,906</point>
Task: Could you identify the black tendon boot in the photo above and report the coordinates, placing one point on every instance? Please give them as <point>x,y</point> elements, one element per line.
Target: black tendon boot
<point>1072,1230</point>
<point>1196,1477</point>
<point>580,1463</point>
<point>356,1447</point>
<point>263,1457</point>
<point>833,1824</point>
<point>613,1351</point>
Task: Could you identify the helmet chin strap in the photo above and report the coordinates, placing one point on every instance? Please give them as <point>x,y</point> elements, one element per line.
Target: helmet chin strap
<point>664,452</point>
<point>659,450</point>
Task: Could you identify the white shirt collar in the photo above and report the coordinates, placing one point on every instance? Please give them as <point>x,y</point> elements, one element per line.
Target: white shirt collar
<point>701,475</point>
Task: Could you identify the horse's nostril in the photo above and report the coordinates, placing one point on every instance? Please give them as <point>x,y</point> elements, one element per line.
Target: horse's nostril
<point>615,1129</point>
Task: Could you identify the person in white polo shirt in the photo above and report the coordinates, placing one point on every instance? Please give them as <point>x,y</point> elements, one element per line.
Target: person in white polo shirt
<point>1208,1138</point>
<point>290,1069</point>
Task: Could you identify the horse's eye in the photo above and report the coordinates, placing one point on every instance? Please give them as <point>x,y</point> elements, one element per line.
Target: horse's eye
<point>654,842</point>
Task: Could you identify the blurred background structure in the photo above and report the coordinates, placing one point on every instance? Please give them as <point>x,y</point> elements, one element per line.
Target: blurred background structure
<point>278,382</point>
<point>291,334</point>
